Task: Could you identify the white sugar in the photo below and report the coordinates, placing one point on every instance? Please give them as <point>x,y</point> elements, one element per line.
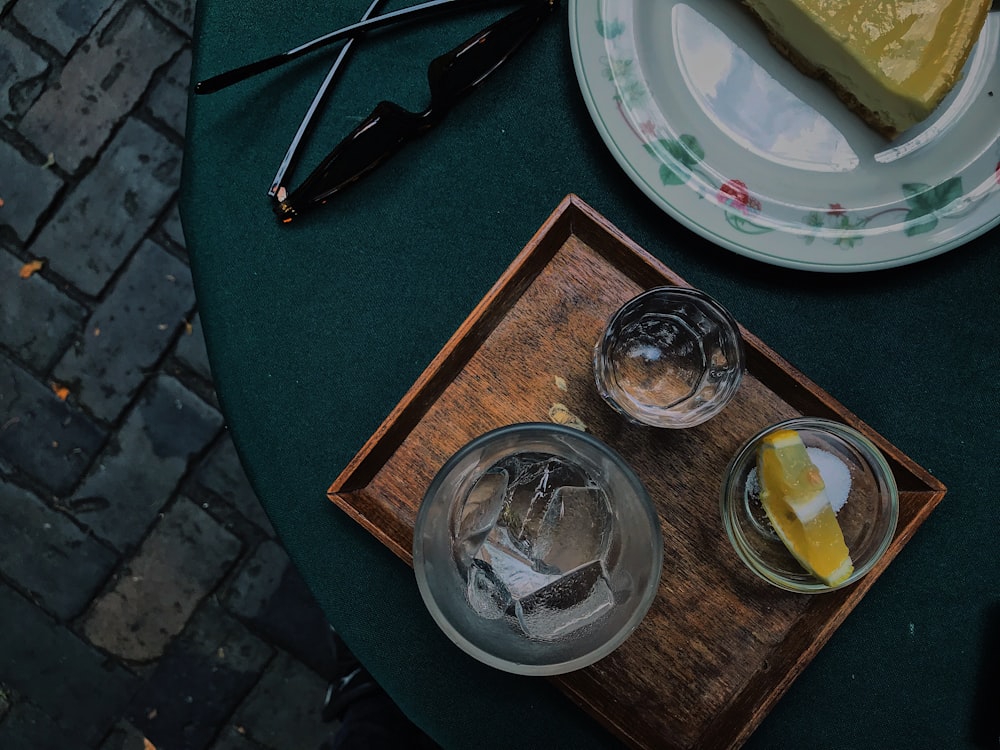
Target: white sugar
<point>836,476</point>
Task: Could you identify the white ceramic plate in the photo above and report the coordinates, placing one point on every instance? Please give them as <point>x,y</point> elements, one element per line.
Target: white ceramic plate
<point>732,141</point>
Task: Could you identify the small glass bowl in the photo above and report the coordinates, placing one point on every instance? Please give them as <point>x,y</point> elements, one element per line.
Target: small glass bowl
<point>671,357</point>
<point>633,558</point>
<point>851,465</point>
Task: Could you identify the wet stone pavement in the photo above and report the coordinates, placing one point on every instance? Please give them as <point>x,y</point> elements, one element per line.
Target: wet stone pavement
<point>144,601</point>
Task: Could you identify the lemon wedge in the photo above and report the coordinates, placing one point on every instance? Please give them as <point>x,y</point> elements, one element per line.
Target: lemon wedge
<point>794,498</point>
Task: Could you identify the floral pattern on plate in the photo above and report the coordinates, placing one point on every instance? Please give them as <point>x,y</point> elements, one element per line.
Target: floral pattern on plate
<point>935,205</point>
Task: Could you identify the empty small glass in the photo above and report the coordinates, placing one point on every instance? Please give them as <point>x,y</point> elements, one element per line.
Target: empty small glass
<point>670,357</point>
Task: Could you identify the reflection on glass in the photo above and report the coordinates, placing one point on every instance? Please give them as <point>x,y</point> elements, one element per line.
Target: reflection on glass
<point>749,105</point>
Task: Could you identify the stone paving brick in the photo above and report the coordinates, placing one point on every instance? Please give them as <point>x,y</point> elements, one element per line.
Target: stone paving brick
<point>214,634</point>
<point>269,594</point>
<point>36,320</point>
<point>191,349</point>
<point>46,554</point>
<point>48,439</point>
<point>172,226</point>
<point>221,474</point>
<point>22,76</point>
<point>101,82</point>
<point>178,564</point>
<point>29,728</point>
<point>138,472</point>
<point>283,711</point>
<point>199,682</point>
<point>235,738</point>
<point>110,210</point>
<point>168,100</point>
<point>124,736</point>
<point>179,12</point>
<point>27,191</point>
<point>259,578</point>
<point>57,672</point>
<point>129,331</point>
<point>61,24</point>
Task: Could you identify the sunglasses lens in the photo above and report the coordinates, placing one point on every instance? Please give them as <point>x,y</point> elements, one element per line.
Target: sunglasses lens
<point>456,73</point>
<point>375,139</point>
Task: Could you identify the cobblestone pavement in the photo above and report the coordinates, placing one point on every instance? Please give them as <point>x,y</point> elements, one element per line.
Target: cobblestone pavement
<point>143,598</point>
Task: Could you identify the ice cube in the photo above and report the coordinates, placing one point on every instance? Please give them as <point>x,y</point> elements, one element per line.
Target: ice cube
<point>569,603</point>
<point>534,478</point>
<point>487,595</point>
<point>575,529</point>
<point>478,515</point>
<point>518,573</point>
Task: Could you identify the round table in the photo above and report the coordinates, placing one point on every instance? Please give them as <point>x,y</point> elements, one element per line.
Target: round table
<point>315,330</point>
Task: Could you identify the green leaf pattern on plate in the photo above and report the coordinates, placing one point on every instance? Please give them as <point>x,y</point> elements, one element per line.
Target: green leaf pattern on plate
<point>684,154</point>
<point>610,29</point>
<point>925,201</point>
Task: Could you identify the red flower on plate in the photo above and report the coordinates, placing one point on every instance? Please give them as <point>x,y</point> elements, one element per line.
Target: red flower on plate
<point>996,174</point>
<point>735,194</point>
<point>836,210</point>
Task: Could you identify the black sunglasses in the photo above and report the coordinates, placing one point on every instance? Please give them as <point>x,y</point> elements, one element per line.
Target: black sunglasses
<point>450,76</point>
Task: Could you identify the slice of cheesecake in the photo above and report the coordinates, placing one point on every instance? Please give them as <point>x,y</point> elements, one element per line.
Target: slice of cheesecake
<point>890,61</point>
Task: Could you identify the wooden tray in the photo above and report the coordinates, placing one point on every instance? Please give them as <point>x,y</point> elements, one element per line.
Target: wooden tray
<point>718,646</point>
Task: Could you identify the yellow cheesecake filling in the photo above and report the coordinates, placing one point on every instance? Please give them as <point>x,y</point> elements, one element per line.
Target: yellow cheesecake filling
<point>897,58</point>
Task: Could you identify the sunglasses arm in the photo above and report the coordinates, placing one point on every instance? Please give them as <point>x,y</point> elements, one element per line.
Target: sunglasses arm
<point>412,13</point>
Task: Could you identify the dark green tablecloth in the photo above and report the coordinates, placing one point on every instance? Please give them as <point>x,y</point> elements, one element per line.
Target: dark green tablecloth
<point>316,330</point>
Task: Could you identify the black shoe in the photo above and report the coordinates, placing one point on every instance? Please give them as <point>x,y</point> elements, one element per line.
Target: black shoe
<point>351,683</point>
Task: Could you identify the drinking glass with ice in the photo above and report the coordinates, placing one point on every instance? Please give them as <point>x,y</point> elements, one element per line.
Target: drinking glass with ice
<point>537,549</point>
